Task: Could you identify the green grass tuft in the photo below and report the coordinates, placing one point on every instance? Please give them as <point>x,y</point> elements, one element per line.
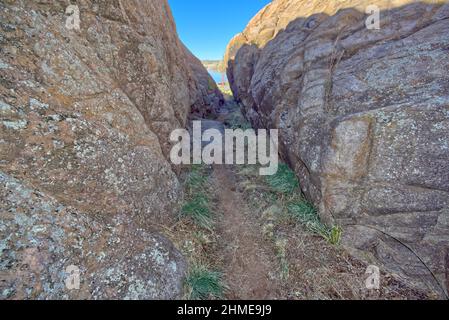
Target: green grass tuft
<point>196,179</point>
<point>307,215</point>
<point>284,181</point>
<point>198,210</point>
<point>197,203</point>
<point>204,284</point>
<point>335,235</point>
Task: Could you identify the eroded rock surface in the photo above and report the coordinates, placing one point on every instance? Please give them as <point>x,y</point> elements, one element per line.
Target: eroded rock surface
<point>209,98</point>
<point>364,119</point>
<point>85,121</point>
<point>117,259</point>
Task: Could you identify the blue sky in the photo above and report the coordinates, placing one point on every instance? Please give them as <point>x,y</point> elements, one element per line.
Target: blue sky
<point>206,26</point>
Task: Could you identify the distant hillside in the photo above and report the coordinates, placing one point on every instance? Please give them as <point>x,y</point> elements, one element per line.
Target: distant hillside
<point>215,65</point>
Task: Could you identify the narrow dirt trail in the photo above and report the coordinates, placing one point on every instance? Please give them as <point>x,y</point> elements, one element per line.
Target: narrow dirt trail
<point>248,259</point>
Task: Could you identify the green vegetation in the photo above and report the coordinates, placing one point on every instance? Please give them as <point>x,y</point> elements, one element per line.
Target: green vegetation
<point>196,179</point>
<point>306,214</point>
<point>334,236</point>
<point>284,181</point>
<point>195,236</point>
<point>197,205</point>
<point>284,186</point>
<point>204,284</point>
<point>198,210</point>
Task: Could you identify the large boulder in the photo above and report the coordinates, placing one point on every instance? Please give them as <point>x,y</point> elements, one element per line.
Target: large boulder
<point>364,120</point>
<point>42,239</point>
<point>85,119</point>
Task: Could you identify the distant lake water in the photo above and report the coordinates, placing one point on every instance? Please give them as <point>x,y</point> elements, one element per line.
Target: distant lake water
<point>217,76</point>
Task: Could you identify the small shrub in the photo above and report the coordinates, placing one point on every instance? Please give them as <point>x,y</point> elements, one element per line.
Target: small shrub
<point>204,284</point>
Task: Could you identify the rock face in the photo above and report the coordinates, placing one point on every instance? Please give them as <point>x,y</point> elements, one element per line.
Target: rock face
<point>277,15</point>
<point>116,258</point>
<point>209,98</point>
<point>364,120</point>
<point>85,121</point>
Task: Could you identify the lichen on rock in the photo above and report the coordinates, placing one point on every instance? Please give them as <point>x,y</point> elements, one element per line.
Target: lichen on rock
<point>85,120</point>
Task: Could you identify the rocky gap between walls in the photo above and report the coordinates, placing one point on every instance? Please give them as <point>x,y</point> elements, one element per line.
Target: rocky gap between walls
<point>86,181</point>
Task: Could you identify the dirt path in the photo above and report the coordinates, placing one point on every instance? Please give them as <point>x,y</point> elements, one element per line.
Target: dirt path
<point>248,259</point>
